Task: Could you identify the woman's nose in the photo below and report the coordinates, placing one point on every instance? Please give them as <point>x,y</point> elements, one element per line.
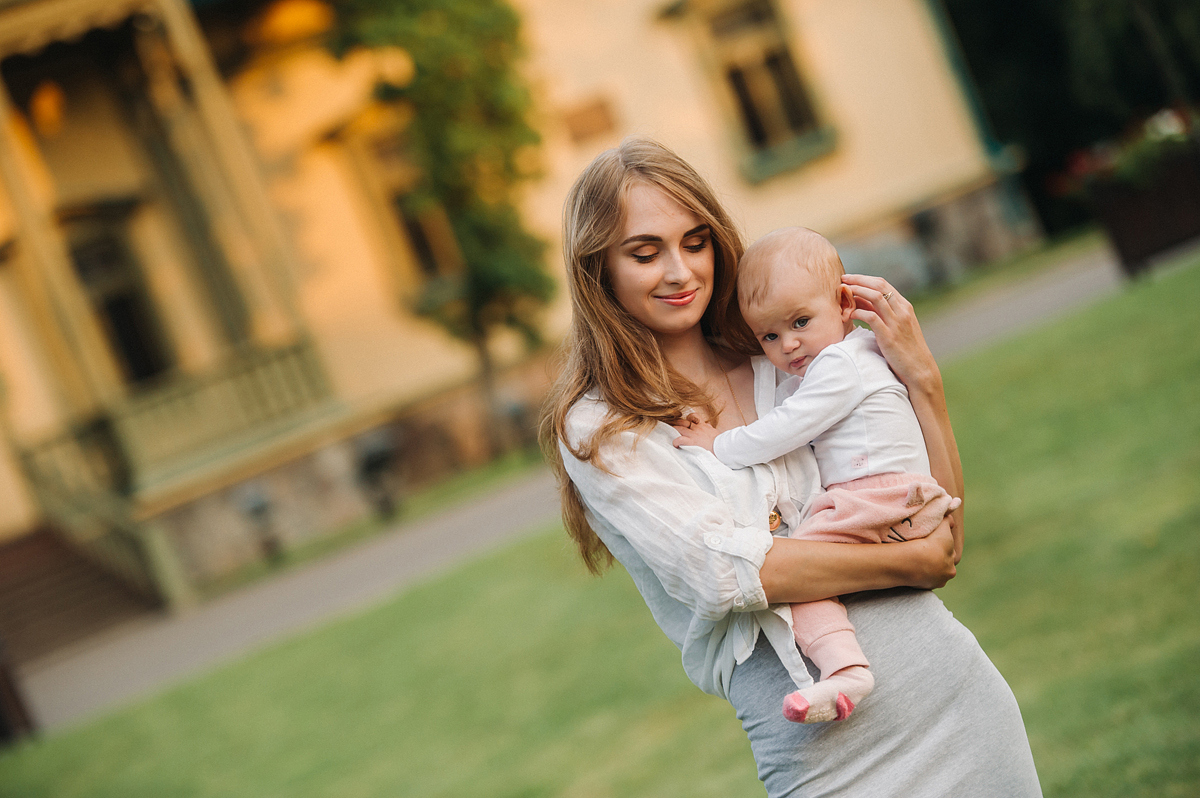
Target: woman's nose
<point>676,271</point>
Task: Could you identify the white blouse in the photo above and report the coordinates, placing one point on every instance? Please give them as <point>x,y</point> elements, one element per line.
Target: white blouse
<point>693,534</point>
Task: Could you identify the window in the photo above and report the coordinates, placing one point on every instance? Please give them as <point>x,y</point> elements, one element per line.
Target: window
<point>747,46</point>
<point>418,239</point>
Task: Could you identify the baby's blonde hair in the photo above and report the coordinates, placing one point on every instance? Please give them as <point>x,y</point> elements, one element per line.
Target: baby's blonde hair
<point>786,248</point>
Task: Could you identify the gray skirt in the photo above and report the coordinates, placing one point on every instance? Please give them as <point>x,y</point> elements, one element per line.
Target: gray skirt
<point>941,722</point>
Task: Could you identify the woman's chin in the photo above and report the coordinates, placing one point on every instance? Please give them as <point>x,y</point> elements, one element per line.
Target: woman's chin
<point>672,330</point>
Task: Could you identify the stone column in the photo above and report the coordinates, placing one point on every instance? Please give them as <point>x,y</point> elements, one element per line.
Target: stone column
<point>277,317</point>
<point>72,334</point>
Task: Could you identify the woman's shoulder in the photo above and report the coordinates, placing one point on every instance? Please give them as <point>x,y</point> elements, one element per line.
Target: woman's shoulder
<point>585,416</point>
<point>591,412</point>
<point>589,409</point>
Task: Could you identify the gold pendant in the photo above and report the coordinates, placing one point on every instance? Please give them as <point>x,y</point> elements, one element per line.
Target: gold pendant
<point>774,520</point>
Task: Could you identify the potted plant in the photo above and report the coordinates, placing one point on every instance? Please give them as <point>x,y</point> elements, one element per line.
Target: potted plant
<point>1145,190</point>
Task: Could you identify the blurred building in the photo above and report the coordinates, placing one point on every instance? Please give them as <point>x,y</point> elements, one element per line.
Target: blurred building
<point>206,271</point>
<point>852,117</point>
<point>204,280</point>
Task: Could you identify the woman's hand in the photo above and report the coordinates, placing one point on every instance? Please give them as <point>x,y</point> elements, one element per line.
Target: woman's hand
<point>892,319</point>
<point>933,564</point>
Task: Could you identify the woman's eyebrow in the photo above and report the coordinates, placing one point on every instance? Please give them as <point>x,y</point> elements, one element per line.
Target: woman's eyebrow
<point>644,237</point>
<point>700,228</point>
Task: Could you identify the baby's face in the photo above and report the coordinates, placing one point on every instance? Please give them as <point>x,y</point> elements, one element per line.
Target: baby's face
<point>799,318</point>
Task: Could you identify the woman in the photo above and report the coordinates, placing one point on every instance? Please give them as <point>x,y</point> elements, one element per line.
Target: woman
<point>651,258</point>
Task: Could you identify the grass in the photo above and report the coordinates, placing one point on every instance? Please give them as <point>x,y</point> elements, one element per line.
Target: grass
<point>1081,446</point>
<point>518,675</point>
<point>512,677</point>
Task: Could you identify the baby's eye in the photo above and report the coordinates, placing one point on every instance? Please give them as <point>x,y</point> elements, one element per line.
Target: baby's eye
<point>800,323</point>
<point>769,337</point>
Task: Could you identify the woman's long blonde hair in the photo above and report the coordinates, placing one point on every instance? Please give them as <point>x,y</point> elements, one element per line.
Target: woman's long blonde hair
<point>607,349</point>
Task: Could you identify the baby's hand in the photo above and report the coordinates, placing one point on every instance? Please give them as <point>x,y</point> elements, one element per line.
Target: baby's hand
<point>694,431</point>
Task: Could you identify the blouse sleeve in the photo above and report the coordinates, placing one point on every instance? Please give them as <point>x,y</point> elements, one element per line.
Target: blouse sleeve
<point>685,534</point>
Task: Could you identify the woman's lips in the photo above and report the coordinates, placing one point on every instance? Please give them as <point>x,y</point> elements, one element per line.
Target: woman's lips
<point>680,299</point>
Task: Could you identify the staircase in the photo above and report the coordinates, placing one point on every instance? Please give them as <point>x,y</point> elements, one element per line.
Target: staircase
<point>51,597</point>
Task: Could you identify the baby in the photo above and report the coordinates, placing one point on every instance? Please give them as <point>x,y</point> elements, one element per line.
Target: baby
<point>844,401</point>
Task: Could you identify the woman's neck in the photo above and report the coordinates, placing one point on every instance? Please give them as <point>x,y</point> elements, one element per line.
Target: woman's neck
<point>692,357</point>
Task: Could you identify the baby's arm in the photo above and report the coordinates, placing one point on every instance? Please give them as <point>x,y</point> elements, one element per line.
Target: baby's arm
<point>694,431</point>
<point>831,390</point>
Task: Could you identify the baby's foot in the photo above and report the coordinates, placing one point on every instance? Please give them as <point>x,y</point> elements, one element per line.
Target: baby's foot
<point>831,699</point>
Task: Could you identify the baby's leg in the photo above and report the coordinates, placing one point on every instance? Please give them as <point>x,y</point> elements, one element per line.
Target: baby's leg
<point>826,636</point>
<point>879,509</point>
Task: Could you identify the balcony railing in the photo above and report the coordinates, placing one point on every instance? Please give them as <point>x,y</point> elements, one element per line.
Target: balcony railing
<point>89,478</point>
<point>249,400</point>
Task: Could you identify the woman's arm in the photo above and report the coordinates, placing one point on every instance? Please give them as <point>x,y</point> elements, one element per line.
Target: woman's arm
<point>807,570</point>
<point>646,497</point>
<point>944,463</point>
<point>899,336</point>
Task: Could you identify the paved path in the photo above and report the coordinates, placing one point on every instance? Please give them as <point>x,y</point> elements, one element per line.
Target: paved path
<point>145,657</point>
<point>1023,305</point>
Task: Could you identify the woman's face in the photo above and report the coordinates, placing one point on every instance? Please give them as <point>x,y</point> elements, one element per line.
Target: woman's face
<point>662,266</point>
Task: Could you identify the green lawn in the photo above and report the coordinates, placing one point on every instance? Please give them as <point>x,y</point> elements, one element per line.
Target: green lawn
<point>518,675</point>
<point>1081,446</point>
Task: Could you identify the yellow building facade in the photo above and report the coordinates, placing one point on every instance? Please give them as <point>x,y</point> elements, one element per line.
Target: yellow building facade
<point>206,273</point>
<point>852,117</point>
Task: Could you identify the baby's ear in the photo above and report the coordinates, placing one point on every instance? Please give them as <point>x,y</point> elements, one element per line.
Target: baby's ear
<point>846,301</point>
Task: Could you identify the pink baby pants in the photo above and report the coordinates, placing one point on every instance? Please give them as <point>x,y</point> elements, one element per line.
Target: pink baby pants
<point>881,509</point>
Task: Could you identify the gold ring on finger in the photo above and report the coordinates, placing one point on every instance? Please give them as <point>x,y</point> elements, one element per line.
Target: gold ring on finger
<point>888,295</point>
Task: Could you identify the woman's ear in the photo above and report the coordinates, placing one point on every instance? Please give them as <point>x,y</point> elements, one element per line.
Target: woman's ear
<point>846,301</point>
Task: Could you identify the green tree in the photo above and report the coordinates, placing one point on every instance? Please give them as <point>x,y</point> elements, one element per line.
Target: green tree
<point>1102,33</point>
<point>472,143</point>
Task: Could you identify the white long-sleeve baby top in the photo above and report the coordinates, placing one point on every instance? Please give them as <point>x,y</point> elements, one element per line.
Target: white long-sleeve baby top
<point>849,406</point>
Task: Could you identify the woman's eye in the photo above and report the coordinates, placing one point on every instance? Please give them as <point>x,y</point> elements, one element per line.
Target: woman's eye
<point>769,337</point>
<point>697,246</point>
<point>644,257</point>
<point>800,323</point>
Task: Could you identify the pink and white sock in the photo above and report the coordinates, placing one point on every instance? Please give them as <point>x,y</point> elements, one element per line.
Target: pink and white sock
<point>833,698</point>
